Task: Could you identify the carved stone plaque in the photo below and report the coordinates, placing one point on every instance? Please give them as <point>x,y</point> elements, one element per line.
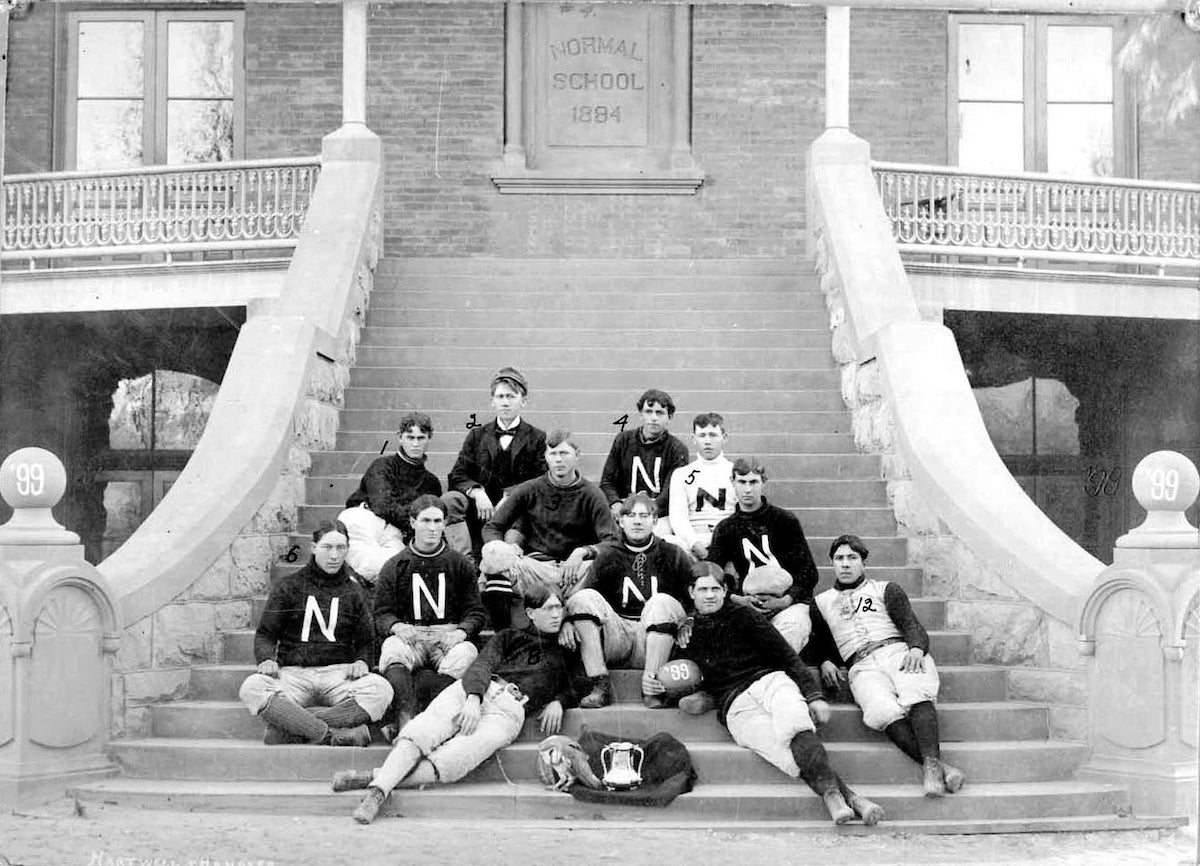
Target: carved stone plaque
<point>597,99</point>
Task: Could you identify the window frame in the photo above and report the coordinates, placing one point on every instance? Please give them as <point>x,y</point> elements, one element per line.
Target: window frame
<point>154,85</point>
<point>1035,87</point>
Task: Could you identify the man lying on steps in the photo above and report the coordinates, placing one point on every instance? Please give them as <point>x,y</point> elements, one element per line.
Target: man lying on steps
<point>519,671</point>
<point>313,647</point>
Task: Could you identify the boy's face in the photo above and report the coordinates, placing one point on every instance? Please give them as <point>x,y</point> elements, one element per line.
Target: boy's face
<point>562,459</point>
<point>710,441</point>
<point>413,443</point>
<point>548,618</point>
<point>507,402</point>
<point>708,594</point>
<point>847,564</point>
<point>654,420</point>
<point>329,551</point>
<point>749,491</point>
<point>637,524</point>
<point>428,526</point>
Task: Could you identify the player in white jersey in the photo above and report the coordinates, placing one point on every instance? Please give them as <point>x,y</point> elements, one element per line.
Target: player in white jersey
<point>869,627</point>
<point>701,493</point>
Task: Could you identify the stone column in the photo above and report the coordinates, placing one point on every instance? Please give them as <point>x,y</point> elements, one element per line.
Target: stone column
<point>58,633</point>
<point>837,67</point>
<point>354,62</point>
<point>514,107</point>
<point>1139,629</point>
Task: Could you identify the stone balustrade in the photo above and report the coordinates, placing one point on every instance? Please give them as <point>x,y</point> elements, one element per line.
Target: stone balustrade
<point>59,632</point>
<point>1138,631</point>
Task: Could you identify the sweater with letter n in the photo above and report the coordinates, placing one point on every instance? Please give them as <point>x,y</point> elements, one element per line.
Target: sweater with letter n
<point>313,619</point>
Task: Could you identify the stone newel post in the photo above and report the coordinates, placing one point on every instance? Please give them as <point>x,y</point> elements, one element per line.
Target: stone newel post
<point>58,633</point>
<point>1140,626</point>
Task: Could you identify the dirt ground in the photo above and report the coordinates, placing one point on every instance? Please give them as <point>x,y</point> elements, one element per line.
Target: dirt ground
<point>113,836</point>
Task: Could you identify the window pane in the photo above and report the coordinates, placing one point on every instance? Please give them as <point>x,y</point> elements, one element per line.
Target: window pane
<point>108,133</point>
<point>991,137</point>
<point>1079,64</point>
<point>1079,140</point>
<point>200,59</point>
<point>991,62</point>
<point>110,59</point>
<point>199,130</point>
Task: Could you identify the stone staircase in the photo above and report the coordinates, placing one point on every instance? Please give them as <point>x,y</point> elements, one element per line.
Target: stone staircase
<point>749,339</point>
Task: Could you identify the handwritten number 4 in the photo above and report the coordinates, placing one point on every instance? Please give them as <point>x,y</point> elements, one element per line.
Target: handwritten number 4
<point>621,422</point>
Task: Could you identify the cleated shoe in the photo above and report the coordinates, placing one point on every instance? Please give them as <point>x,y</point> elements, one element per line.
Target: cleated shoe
<point>870,811</point>
<point>697,703</point>
<point>835,804</point>
<point>933,778</point>
<point>600,695</point>
<point>359,736</point>
<point>371,803</point>
<point>351,780</point>
<point>955,778</point>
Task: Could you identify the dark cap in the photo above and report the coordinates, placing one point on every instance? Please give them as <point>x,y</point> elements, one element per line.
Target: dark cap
<point>513,377</point>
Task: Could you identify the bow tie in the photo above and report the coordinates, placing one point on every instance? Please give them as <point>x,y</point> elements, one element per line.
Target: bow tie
<point>501,433</point>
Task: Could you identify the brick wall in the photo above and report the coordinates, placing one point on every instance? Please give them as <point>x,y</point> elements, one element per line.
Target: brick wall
<point>898,81</point>
<point>29,107</point>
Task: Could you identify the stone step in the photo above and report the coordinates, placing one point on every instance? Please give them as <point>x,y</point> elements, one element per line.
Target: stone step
<point>635,289</point>
<point>1025,806</point>
<point>399,398</point>
<point>846,493</point>
<point>525,269</point>
<point>685,386</point>
<point>602,423</point>
<point>393,312</point>
<point>958,682</point>
<point>694,359</point>
<point>960,721</point>
<point>817,522</point>
<point>554,336</point>
<point>807,466</point>
<point>575,300</point>
<point>765,445</point>
<point>715,763</point>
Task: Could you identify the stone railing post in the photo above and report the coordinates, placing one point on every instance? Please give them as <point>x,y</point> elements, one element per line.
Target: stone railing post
<point>1140,627</point>
<point>58,633</point>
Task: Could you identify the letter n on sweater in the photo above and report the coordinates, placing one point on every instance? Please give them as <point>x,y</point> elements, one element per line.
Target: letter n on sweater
<point>313,609</point>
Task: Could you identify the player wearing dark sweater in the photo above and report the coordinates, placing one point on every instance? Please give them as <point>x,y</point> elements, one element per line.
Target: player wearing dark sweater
<point>563,518</point>
<point>757,534</point>
<point>765,695</point>
<point>869,626</point>
<point>427,609</point>
<point>644,458</point>
<point>627,609</point>
<point>391,483</point>
<point>313,646</point>
<point>520,671</point>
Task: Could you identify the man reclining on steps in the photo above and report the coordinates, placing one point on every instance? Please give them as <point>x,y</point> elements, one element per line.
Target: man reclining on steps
<point>520,671</point>
<point>768,539</point>
<point>562,516</point>
<point>766,697</point>
<point>376,514</point>
<point>869,626</point>
<point>627,609</point>
<point>427,610</point>
<point>313,646</point>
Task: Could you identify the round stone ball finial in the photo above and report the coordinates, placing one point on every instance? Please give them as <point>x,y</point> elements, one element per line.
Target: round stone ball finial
<point>1166,484</point>
<point>32,481</point>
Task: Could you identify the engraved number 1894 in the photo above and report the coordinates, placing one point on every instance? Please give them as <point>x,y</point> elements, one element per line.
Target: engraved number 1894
<point>595,114</point>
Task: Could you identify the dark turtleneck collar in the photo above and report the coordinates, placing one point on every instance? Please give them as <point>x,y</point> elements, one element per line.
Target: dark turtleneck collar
<point>840,587</point>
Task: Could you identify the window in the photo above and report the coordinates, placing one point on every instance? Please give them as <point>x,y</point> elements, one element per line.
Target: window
<point>153,87</point>
<point>1037,94</point>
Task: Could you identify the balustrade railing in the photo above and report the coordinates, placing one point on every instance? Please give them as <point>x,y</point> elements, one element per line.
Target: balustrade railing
<point>258,204</point>
<point>945,211</point>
